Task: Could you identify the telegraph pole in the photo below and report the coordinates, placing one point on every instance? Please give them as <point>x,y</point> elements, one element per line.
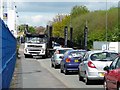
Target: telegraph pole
<point>106,26</point>
<point>85,36</point>
<point>65,35</point>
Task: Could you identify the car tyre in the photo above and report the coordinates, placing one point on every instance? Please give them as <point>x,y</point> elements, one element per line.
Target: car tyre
<point>52,65</point>
<point>65,72</point>
<point>87,81</point>
<point>118,86</point>
<point>105,85</point>
<point>80,77</point>
<point>61,70</point>
<point>55,66</point>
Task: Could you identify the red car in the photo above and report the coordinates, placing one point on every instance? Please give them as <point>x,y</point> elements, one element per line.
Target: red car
<point>112,75</point>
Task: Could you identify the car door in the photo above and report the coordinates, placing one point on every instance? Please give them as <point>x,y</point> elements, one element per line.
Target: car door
<point>83,65</point>
<point>117,74</point>
<point>111,75</point>
<point>63,60</point>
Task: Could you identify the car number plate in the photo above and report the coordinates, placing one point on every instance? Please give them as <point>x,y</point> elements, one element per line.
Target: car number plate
<point>76,61</point>
<point>101,74</point>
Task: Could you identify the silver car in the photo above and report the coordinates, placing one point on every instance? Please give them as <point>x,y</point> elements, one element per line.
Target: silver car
<point>56,58</point>
<point>92,64</point>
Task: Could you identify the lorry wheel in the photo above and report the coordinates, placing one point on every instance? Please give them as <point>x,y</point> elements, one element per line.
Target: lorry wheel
<point>26,56</point>
<point>44,56</point>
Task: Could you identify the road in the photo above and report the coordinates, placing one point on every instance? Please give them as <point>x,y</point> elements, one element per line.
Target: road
<point>37,73</point>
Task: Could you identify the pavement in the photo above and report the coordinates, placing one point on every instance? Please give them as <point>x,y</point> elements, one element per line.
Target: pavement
<point>32,75</point>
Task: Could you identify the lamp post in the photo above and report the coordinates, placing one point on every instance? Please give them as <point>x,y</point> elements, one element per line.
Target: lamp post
<point>106,26</point>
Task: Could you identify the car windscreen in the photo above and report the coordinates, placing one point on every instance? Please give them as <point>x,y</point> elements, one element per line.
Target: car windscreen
<point>103,56</point>
<point>77,53</point>
<point>63,51</point>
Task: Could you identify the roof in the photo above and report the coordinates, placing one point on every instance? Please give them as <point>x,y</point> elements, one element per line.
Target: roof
<point>97,51</point>
<point>63,48</point>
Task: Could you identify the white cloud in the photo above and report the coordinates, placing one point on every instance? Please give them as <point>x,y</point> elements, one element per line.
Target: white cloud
<point>38,19</point>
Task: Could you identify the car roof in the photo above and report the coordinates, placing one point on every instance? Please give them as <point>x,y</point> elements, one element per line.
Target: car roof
<point>77,50</point>
<point>63,48</point>
<point>97,51</point>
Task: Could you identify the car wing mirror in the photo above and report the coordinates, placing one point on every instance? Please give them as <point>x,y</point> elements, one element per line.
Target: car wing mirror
<point>107,68</point>
<point>80,60</point>
<point>61,57</point>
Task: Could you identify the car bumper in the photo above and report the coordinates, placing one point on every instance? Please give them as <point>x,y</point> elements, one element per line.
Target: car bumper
<point>72,67</point>
<point>95,75</point>
<point>57,62</point>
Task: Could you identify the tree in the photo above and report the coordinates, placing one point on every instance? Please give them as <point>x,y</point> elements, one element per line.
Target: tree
<point>79,10</point>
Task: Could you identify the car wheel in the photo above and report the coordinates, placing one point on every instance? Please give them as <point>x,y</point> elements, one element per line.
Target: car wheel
<point>61,69</point>
<point>118,86</point>
<point>87,81</point>
<point>80,77</point>
<point>105,85</point>
<point>52,65</point>
<point>55,66</point>
<point>65,71</point>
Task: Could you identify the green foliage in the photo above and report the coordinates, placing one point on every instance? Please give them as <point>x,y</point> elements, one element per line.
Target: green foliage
<point>58,27</point>
<point>31,30</point>
<point>96,22</point>
<point>79,10</point>
<point>21,28</point>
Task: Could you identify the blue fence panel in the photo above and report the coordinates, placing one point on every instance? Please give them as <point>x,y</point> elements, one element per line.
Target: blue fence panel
<point>8,55</point>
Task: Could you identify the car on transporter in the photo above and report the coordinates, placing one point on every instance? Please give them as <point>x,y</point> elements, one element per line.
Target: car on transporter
<point>92,64</point>
<point>55,59</point>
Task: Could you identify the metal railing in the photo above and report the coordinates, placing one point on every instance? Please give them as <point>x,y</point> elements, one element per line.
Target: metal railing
<point>7,55</point>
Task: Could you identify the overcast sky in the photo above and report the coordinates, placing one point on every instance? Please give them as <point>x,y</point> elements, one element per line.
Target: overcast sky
<point>38,13</point>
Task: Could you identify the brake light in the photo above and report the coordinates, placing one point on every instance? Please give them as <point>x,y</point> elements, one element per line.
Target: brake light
<point>91,65</point>
<point>68,60</point>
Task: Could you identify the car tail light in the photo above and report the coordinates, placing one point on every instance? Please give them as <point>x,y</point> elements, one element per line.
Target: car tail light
<point>90,64</point>
<point>68,60</point>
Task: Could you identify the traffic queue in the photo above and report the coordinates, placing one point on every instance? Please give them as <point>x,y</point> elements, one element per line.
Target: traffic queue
<point>91,65</point>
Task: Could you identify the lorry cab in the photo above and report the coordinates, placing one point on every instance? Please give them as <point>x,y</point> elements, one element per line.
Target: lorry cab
<point>35,45</point>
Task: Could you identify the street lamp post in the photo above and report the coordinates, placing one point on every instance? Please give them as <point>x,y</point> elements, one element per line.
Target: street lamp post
<point>106,26</point>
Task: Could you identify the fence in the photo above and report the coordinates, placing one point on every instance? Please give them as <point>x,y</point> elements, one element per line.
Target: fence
<point>7,55</point>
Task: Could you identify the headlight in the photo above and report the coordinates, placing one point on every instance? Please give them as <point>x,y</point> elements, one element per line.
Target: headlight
<point>25,50</point>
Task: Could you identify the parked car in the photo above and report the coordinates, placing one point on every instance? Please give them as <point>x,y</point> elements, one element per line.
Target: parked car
<point>55,59</point>
<point>70,61</point>
<point>91,67</point>
<point>112,75</point>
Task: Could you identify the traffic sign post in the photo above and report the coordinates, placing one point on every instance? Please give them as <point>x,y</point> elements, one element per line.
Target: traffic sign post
<point>65,35</point>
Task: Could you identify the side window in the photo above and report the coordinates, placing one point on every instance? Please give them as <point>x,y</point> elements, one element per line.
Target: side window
<point>118,63</point>
<point>85,57</point>
<point>113,65</point>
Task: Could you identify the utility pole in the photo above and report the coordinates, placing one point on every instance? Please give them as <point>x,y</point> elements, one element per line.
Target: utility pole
<point>50,36</point>
<point>65,35</point>
<point>71,37</point>
<point>85,36</point>
<point>106,26</point>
